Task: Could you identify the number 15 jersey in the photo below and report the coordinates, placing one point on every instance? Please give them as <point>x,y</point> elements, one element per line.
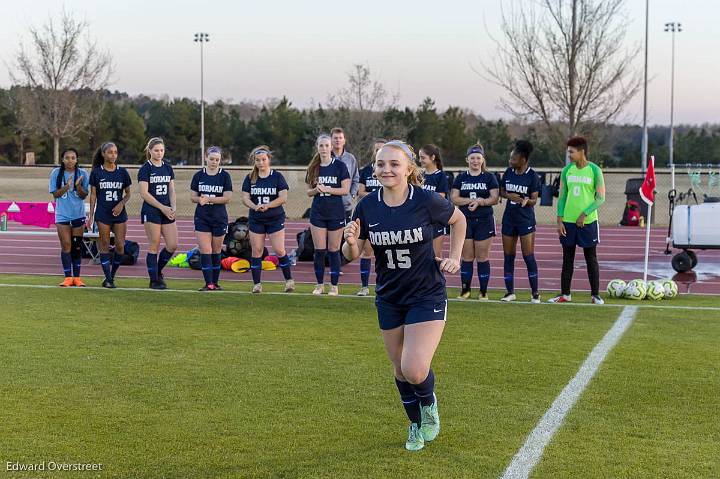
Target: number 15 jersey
<point>401,238</point>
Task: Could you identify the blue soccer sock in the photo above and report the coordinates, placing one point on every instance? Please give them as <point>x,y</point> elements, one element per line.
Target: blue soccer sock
<point>483,268</point>
<point>425,390</point>
<point>409,400</point>
<point>216,258</point>
<point>319,264</point>
<point>116,262</point>
<point>163,259</point>
<point>66,260</point>
<point>466,271</point>
<point>76,255</point>
<point>256,269</point>
<point>365,271</point>
<point>285,266</point>
<point>509,270</point>
<point>334,267</point>
<point>532,270</point>
<point>151,260</point>
<point>206,263</point>
<point>105,259</point>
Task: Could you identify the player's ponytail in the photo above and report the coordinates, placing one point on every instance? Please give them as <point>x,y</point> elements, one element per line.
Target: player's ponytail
<point>313,170</point>
<point>254,174</point>
<point>98,158</point>
<point>61,173</point>
<point>434,152</point>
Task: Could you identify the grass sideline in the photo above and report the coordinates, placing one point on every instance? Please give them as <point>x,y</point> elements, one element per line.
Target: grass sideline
<point>171,384</point>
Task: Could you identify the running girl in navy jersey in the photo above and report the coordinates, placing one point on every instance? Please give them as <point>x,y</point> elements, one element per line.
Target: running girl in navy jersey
<point>69,185</point>
<point>475,191</point>
<point>434,179</point>
<point>368,184</point>
<point>211,189</point>
<point>157,189</point>
<point>109,193</point>
<point>265,192</point>
<point>398,221</point>
<point>329,180</point>
<point>521,186</point>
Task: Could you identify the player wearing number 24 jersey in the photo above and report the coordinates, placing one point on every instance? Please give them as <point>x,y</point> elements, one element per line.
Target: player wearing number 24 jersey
<point>109,187</point>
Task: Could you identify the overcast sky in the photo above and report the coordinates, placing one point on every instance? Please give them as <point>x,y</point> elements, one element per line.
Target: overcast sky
<point>304,49</point>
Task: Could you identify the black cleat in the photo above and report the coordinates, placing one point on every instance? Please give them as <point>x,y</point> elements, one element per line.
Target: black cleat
<point>157,285</point>
<point>108,284</point>
<point>161,280</point>
<point>208,287</point>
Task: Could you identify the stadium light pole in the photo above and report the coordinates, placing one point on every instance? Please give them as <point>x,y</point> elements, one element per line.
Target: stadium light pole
<point>672,27</point>
<point>645,130</point>
<point>202,38</point>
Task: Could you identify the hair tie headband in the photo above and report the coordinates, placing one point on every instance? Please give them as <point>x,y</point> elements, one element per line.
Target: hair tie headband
<point>403,146</point>
<point>104,147</point>
<point>214,149</point>
<point>475,149</point>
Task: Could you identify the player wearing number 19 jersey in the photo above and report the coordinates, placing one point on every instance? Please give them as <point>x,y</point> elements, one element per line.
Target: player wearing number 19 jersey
<point>398,221</point>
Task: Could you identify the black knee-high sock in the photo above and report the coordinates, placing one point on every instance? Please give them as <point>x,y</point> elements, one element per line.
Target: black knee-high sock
<point>532,270</point>
<point>593,269</point>
<point>163,259</point>
<point>105,264</point>
<point>425,391</point>
<point>319,264</point>
<point>334,267</point>
<point>206,263</point>
<point>365,271</point>
<point>256,269</point>
<point>76,255</point>
<point>116,262</point>
<point>567,269</point>
<point>409,400</point>
<point>483,268</point>
<point>466,271</point>
<point>66,260</point>
<point>216,259</point>
<point>285,266</point>
<point>151,260</point>
<point>509,270</point>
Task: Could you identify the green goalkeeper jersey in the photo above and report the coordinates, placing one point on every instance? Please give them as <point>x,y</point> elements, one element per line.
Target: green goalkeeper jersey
<point>580,187</point>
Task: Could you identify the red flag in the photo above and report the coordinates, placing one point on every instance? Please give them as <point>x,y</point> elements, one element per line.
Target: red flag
<point>647,190</point>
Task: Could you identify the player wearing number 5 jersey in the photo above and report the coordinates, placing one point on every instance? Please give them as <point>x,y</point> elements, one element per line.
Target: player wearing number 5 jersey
<point>398,221</point>
<point>109,193</point>
<point>157,189</point>
<point>265,192</point>
<point>582,191</point>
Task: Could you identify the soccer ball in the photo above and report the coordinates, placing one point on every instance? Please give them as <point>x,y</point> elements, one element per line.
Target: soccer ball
<point>671,288</point>
<point>655,290</point>
<point>615,288</point>
<point>636,290</point>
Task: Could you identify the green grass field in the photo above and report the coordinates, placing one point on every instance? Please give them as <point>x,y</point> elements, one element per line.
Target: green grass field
<point>180,384</point>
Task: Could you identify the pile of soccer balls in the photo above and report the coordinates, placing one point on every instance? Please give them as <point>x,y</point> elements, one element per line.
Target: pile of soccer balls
<point>638,289</point>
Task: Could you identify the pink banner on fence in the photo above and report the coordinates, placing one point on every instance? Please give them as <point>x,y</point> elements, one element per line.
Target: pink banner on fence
<point>31,213</point>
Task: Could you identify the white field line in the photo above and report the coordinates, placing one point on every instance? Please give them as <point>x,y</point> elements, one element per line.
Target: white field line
<point>530,453</point>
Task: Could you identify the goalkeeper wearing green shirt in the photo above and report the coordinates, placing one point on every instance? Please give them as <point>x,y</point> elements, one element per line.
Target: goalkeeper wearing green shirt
<point>582,191</point>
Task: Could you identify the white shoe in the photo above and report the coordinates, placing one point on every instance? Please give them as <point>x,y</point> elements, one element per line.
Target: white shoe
<point>535,299</point>
<point>508,297</point>
<point>333,291</point>
<point>319,289</point>
<point>597,300</point>
<point>289,285</point>
<point>560,298</point>
<point>257,288</point>
<point>364,291</point>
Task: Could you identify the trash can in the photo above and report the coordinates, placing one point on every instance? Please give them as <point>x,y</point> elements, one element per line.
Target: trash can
<point>632,192</point>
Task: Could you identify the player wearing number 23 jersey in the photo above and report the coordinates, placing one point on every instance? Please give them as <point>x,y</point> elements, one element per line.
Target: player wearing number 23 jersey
<point>158,179</point>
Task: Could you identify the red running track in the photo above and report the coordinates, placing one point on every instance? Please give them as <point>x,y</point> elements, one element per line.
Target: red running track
<point>620,254</point>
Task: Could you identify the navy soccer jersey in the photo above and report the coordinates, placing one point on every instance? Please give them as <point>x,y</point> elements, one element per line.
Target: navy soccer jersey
<point>524,185</point>
<point>436,182</point>
<point>401,238</point>
<point>366,178</point>
<point>213,186</point>
<point>109,187</point>
<point>324,205</point>
<point>476,186</point>
<point>158,179</point>
<point>264,191</point>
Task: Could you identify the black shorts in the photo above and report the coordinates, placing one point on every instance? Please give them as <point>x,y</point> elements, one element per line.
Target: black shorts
<point>216,227</point>
<point>390,316</point>
<point>512,228</point>
<point>330,225</point>
<point>107,218</point>
<point>150,214</point>
<point>585,237</point>
<point>267,226</point>
<point>480,229</point>
<point>76,223</point>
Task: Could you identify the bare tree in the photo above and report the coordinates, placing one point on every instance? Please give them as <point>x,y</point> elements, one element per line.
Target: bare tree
<point>562,62</point>
<point>63,74</point>
<point>359,109</point>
